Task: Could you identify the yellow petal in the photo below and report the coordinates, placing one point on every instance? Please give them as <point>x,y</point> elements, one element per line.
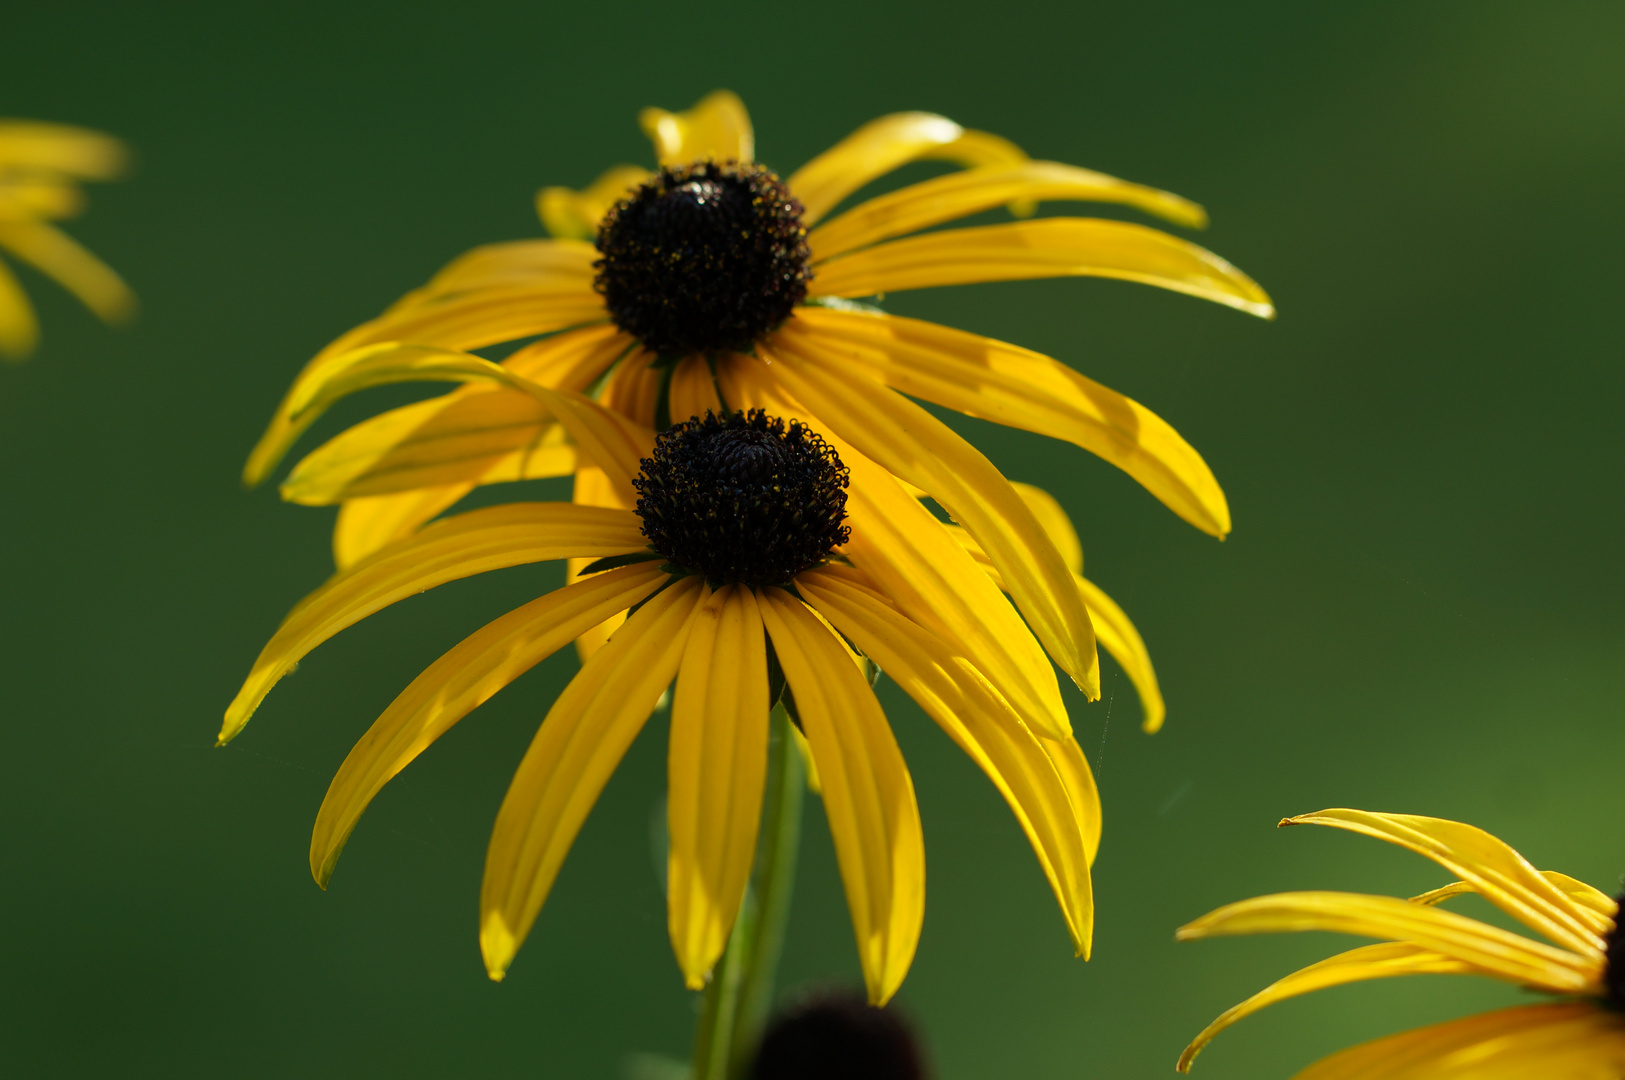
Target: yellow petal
<point>693,390</point>
<point>445,443</point>
<point>903,438</point>
<point>1010,385</point>
<point>38,197</point>
<point>457,684</point>
<point>1500,874</point>
<point>1368,962</point>
<point>593,488</point>
<point>365,525</point>
<point>882,145</point>
<point>1491,951</point>
<point>976,716</point>
<point>716,772</point>
<point>546,267</point>
<point>1569,1041</point>
<point>1054,521</point>
<point>77,151</point>
<point>576,214</point>
<point>718,127</point>
<point>59,256</point>
<point>580,742</point>
<point>914,560</point>
<point>19,330</point>
<point>1049,247</point>
<point>1596,907</point>
<point>868,795</point>
<point>957,195</point>
<point>426,444</point>
<point>458,547</point>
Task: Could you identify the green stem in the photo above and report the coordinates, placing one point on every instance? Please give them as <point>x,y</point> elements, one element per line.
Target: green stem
<point>741,991</point>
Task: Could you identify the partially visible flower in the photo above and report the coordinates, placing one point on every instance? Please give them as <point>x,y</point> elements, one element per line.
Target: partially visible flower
<point>41,166</point>
<point>1582,1038</point>
<point>752,574</point>
<point>714,284</point>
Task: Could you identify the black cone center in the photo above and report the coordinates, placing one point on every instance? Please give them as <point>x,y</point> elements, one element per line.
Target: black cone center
<point>743,498</point>
<point>703,258</point>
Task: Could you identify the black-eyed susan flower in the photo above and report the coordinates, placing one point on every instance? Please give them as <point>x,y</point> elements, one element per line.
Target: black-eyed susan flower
<point>41,167</point>
<point>1581,1037</point>
<point>740,546</point>
<point>714,284</point>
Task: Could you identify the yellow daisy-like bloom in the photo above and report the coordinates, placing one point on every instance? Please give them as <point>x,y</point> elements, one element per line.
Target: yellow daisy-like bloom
<point>772,564</point>
<point>41,166</point>
<point>1582,1038</point>
<point>712,284</point>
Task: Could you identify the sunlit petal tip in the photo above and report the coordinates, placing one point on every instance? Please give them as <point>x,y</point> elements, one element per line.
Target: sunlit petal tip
<point>497,946</point>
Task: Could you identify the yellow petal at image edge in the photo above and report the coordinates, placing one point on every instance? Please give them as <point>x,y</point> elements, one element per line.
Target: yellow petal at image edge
<point>1568,1041</point>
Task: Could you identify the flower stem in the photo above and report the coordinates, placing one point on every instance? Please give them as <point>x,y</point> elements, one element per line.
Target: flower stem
<point>741,991</point>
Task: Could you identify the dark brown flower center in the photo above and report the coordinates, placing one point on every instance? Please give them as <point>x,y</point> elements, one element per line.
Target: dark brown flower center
<point>743,498</point>
<point>703,258</point>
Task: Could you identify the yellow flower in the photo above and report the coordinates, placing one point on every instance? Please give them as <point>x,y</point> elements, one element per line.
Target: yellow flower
<point>1578,1039</point>
<point>753,313</point>
<point>40,166</point>
<point>772,563</point>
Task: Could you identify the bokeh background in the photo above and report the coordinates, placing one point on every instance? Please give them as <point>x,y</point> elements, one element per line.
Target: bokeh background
<point>1420,608</point>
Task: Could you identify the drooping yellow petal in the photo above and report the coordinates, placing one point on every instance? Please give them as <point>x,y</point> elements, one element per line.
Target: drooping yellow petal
<point>457,684</point>
<point>718,127</point>
<point>1383,961</point>
<point>429,443</point>
<point>957,195</point>
<point>454,548</point>
<point>367,524</point>
<point>451,443</point>
<point>1569,1041</point>
<point>1500,874</point>
<point>1010,385</point>
<point>906,440</point>
<point>1117,635</point>
<point>887,143</point>
<point>76,151</point>
<point>1049,247</point>
<point>976,716</point>
<point>1052,517</point>
<point>58,256</point>
<point>716,772</point>
<point>1490,950</point>
<point>913,559</point>
<point>868,795</point>
<point>580,742</point>
<point>609,439</point>
<point>19,329</point>
<point>576,214</point>
<point>464,321</point>
<point>545,267</point>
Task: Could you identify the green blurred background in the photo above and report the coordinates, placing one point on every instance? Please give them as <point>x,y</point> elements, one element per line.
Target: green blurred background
<point>1420,608</point>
